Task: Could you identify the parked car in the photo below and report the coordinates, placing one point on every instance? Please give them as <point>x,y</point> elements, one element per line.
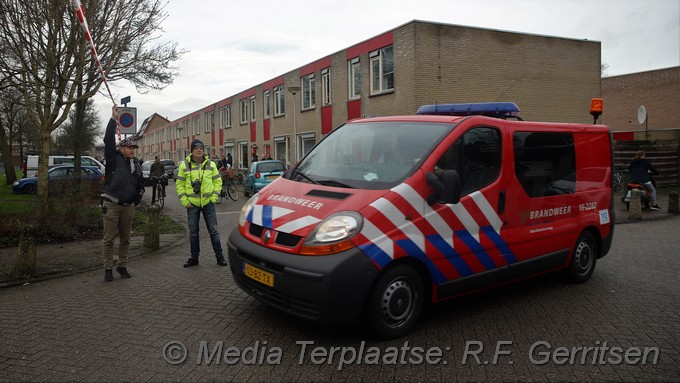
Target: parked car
<point>146,171</point>
<point>31,163</point>
<point>261,174</point>
<point>58,175</point>
<point>169,167</point>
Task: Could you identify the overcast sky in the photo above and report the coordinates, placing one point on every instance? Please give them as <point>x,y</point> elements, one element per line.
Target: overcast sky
<point>235,45</point>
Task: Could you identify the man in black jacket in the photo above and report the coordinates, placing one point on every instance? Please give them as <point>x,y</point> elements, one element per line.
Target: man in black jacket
<point>123,191</point>
<point>640,169</point>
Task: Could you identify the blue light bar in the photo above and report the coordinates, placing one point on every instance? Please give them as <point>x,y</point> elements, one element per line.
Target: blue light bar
<point>490,109</point>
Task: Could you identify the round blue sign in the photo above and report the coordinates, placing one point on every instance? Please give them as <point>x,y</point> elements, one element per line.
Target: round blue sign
<point>127,120</point>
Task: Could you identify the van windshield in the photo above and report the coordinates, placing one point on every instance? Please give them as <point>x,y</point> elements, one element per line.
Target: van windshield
<point>370,155</point>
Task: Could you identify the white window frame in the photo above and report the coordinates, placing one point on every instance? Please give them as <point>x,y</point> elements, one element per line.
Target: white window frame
<point>267,104</point>
<point>244,111</point>
<point>380,74</point>
<point>279,101</point>
<point>354,78</point>
<point>197,125</point>
<point>308,92</point>
<point>209,118</point>
<point>226,116</point>
<point>282,149</point>
<point>253,108</point>
<point>326,98</point>
<point>306,142</point>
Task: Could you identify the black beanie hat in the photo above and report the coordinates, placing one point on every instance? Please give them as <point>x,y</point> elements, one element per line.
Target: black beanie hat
<point>196,142</point>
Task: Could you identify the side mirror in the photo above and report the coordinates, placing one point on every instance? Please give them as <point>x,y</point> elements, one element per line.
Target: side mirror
<point>446,185</point>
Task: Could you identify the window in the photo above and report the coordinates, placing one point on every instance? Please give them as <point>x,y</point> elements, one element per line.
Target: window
<point>226,116</point>
<point>197,128</point>
<point>244,111</point>
<point>178,131</point>
<point>267,104</point>
<point>281,149</point>
<point>326,86</point>
<point>252,108</point>
<point>354,79</point>
<point>209,121</point>
<point>307,142</point>
<point>279,101</point>
<point>545,163</point>
<point>476,156</point>
<point>308,92</point>
<point>382,70</point>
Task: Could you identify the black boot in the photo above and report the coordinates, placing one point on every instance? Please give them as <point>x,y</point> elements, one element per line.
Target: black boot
<point>123,272</point>
<point>191,262</point>
<point>221,261</point>
<point>108,275</point>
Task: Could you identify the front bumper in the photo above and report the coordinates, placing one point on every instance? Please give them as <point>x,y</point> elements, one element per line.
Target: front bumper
<point>326,289</point>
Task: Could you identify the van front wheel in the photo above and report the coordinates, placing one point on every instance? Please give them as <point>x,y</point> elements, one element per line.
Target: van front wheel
<point>396,302</point>
<point>583,260</point>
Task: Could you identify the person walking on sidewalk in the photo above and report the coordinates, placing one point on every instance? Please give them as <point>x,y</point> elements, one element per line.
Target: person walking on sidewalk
<point>123,189</point>
<point>640,169</point>
<point>157,170</point>
<point>198,185</point>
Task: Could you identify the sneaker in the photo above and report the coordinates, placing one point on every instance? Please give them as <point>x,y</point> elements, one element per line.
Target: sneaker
<point>655,207</point>
<point>123,272</point>
<point>191,262</point>
<point>108,275</point>
<point>221,261</point>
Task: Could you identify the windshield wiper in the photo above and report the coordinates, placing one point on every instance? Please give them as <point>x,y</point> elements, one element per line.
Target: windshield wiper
<point>334,183</point>
<point>295,171</point>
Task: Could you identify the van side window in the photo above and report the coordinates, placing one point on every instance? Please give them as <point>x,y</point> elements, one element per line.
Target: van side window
<point>476,156</point>
<point>545,163</point>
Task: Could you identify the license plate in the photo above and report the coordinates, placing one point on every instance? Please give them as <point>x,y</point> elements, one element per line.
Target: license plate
<point>271,177</point>
<point>258,274</point>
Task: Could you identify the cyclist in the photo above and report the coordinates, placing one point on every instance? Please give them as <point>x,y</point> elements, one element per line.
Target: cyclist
<point>640,169</point>
<point>157,171</point>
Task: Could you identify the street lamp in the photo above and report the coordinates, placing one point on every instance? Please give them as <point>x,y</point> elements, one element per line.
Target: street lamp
<point>294,90</point>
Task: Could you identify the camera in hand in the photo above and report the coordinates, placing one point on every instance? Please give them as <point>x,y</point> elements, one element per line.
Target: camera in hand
<point>196,184</point>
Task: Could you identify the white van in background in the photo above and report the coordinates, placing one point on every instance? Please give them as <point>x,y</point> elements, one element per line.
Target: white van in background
<point>31,164</point>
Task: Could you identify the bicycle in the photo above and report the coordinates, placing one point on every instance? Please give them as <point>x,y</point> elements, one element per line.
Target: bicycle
<point>620,181</point>
<point>160,197</point>
<point>228,187</point>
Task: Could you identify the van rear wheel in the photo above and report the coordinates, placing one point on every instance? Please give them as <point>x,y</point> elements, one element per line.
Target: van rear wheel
<point>583,259</point>
<point>396,302</point>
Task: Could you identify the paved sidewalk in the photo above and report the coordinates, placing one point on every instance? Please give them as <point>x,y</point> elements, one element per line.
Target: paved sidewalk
<point>58,260</point>
<point>662,197</point>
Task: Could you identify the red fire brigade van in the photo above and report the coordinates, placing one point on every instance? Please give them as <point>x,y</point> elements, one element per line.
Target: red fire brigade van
<point>388,213</point>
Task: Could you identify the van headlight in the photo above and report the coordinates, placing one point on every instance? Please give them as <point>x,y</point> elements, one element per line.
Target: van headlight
<point>333,234</point>
<point>247,207</point>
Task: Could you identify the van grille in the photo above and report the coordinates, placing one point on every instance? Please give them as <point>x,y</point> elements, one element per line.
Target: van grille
<point>280,238</point>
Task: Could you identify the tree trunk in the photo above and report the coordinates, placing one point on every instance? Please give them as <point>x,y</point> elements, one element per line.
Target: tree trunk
<point>24,263</point>
<point>6,151</point>
<point>43,167</point>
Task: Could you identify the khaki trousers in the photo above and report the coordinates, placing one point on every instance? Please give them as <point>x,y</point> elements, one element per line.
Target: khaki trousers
<point>117,223</point>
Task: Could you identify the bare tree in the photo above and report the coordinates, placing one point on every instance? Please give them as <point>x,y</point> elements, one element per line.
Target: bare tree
<point>44,57</point>
<point>76,139</point>
<point>14,124</point>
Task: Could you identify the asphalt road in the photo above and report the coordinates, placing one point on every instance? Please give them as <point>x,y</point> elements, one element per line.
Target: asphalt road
<point>168,323</point>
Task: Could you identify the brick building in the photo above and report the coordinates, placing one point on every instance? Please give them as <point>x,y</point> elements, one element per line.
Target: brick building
<point>550,78</point>
<point>659,135</point>
<point>657,90</point>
